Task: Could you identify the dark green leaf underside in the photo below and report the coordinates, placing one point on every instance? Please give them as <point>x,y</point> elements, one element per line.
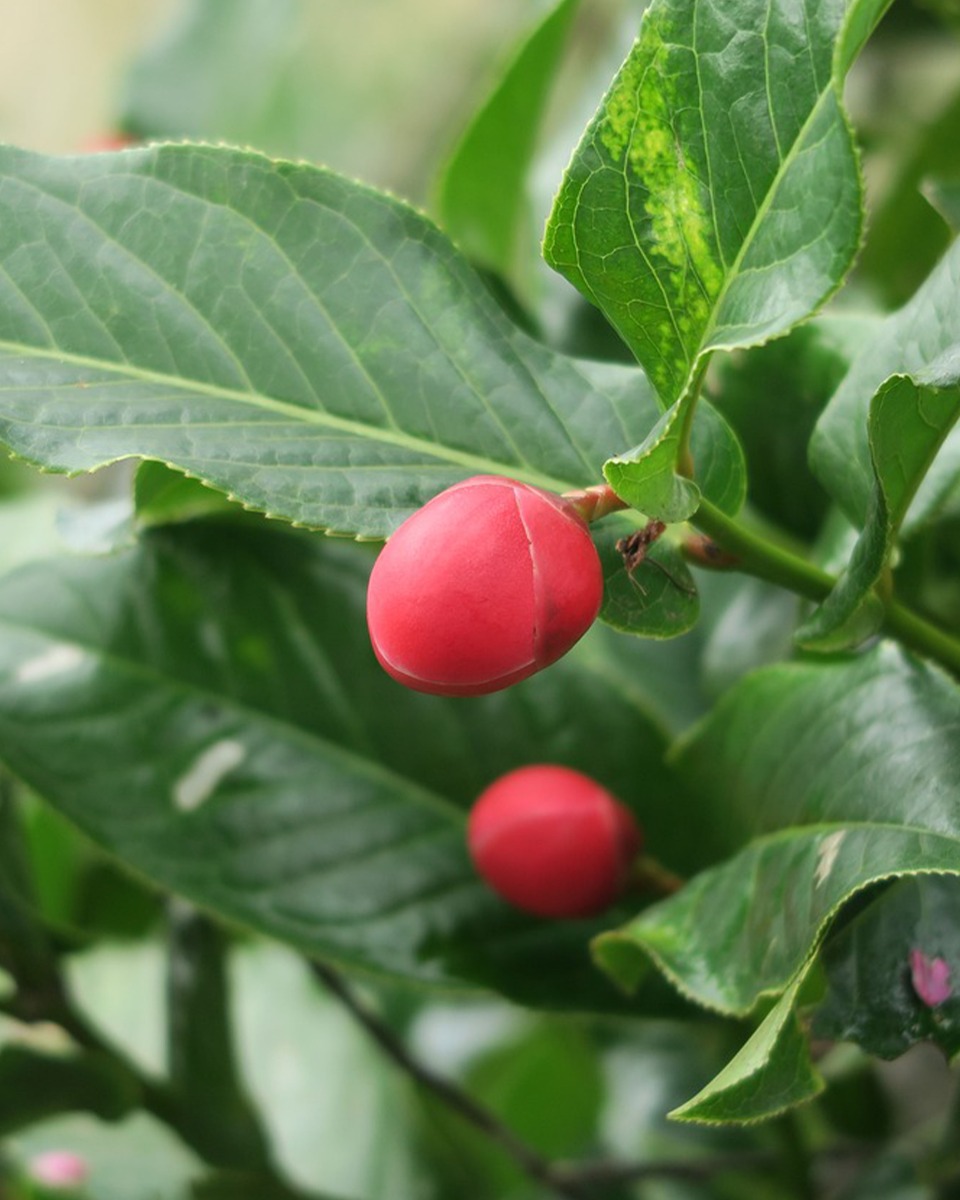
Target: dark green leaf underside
<point>871,996</point>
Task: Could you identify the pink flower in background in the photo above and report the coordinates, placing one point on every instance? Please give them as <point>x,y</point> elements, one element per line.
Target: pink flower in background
<point>58,1169</point>
<point>930,978</point>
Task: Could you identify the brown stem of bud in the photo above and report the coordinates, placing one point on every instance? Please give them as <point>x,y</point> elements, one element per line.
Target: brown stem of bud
<point>649,875</point>
<point>595,502</point>
<point>704,552</point>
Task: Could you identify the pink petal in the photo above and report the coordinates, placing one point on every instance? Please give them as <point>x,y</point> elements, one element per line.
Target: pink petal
<point>930,978</point>
<point>58,1169</point>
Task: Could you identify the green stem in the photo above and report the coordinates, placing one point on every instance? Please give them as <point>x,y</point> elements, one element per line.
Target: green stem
<point>764,559</point>
<point>760,557</point>
<point>685,464</point>
<point>920,635</point>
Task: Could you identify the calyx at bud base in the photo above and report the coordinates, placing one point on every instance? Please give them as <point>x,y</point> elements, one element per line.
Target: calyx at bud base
<point>489,582</point>
<point>553,841</point>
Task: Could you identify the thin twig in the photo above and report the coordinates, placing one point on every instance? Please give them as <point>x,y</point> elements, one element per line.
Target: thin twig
<point>608,1171</point>
<point>529,1160</point>
<point>570,1179</point>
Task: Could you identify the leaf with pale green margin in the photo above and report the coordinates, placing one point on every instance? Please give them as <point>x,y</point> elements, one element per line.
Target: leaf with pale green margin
<point>770,1074</point>
<point>910,418</point>
<point>644,476</point>
<point>801,758</point>
<point>481,194</point>
<point>944,195</point>
<point>208,708</point>
<point>870,996</point>
<point>315,349</point>
<point>715,199</point>
<point>909,342</point>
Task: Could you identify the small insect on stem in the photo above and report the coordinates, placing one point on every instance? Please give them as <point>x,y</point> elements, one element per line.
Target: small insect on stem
<point>634,549</point>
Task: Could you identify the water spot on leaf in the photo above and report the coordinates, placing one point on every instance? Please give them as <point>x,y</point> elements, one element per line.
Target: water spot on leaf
<point>827,855</point>
<point>205,773</point>
<point>55,661</point>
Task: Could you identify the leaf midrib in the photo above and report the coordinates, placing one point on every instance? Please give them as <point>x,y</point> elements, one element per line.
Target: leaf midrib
<point>289,411</point>
<point>733,273</point>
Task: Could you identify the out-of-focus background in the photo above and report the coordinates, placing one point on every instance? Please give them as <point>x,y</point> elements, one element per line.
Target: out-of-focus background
<point>342,83</point>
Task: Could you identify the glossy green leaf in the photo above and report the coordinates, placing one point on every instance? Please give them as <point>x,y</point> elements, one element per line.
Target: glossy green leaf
<point>769,1075</point>
<point>313,348</point>
<point>644,476</point>
<point>677,215</point>
<point>832,801</point>
<point>662,677</point>
<point>209,709</point>
<point>871,996</point>
<point>910,418</point>
<point>911,342</point>
<point>481,197</point>
<point>714,201</point>
<point>802,758</point>
<point>749,624</point>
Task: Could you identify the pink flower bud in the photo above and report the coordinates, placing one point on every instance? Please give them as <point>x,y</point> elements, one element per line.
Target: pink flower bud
<point>489,582</point>
<point>553,841</point>
<point>58,1169</point>
<point>930,978</point>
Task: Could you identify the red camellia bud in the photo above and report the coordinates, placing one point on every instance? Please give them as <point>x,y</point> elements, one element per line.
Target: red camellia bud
<point>101,143</point>
<point>553,841</point>
<point>487,583</point>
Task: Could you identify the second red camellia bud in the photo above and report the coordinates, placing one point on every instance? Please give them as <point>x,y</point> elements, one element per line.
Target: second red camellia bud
<point>553,842</point>
<point>489,582</point>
